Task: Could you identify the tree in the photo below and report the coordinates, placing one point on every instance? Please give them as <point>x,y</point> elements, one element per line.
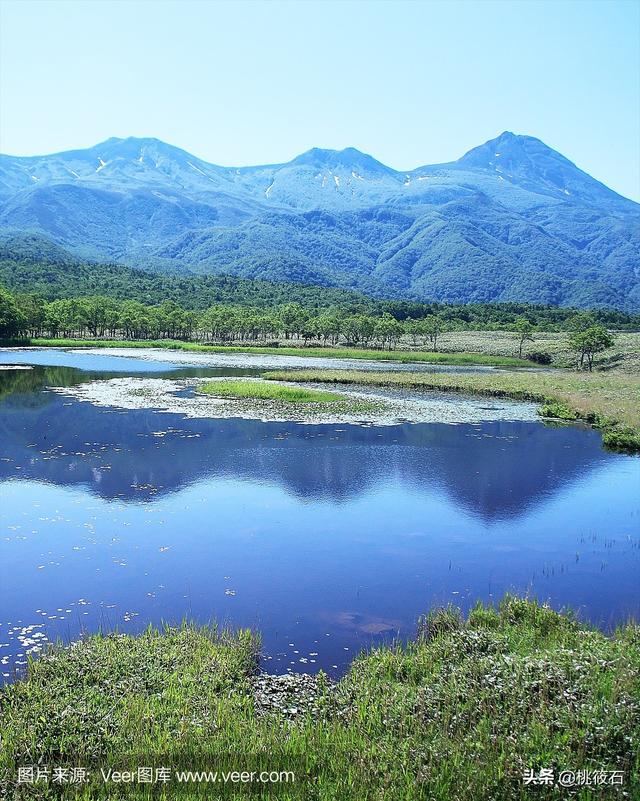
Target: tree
<point>524,330</point>
<point>581,321</point>
<point>66,316</point>
<point>32,308</point>
<point>329,326</point>
<point>95,314</point>
<point>432,327</point>
<point>366,326</point>
<point>589,342</point>
<point>358,329</point>
<point>415,330</point>
<point>267,325</point>
<point>134,319</point>
<point>388,330</point>
<point>292,318</point>
<point>11,321</point>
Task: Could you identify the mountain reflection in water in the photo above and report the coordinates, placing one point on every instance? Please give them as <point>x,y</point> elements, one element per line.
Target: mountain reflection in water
<point>325,537</point>
<point>494,470</point>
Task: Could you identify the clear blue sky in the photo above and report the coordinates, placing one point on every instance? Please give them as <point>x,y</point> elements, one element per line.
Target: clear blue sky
<point>255,82</point>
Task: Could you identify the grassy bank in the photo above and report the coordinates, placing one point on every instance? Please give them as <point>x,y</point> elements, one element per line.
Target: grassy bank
<point>460,713</point>
<point>263,390</point>
<point>623,356</point>
<point>608,401</point>
<point>404,356</point>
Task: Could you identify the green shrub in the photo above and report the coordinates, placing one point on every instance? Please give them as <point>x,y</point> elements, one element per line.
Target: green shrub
<point>558,411</point>
<point>621,439</point>
<point>539,357</point>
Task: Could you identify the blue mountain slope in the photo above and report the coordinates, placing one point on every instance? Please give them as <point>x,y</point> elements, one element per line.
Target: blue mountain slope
<point>511,220</point>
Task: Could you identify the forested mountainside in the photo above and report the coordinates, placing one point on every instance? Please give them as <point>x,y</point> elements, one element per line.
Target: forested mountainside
<point>36,272</point>
<point>512,220</point>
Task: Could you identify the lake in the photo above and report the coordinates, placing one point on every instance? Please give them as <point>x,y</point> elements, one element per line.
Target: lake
<point>327,538</point>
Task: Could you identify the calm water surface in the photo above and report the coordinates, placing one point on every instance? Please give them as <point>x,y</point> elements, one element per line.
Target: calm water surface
<point>327,538</point>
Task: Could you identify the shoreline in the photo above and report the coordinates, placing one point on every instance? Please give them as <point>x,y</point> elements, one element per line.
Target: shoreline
<point>362,406</point>
<point>402,356</point>
<point>528,686</point>
<point>568,397</point>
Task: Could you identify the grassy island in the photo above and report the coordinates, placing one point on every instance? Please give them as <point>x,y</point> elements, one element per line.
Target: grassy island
<point>286,401</point>
<point>608,401</point>
<point>460,712</point>
<point>264,390</point>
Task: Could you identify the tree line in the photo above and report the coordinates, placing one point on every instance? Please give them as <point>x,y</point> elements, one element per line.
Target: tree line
<point>98,317</point>
<point>28,315</point>
<point>33,266</point>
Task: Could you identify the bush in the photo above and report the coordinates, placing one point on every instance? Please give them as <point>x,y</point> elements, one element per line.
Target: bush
<point>557,411</point>
<point>539,357</point>
<point>621,439</point>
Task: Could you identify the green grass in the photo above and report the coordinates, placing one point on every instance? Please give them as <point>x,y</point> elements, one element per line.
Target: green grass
<point>608,401</point>
<point>459,713</point>
<point>264,390</point>
<point>405,356</point>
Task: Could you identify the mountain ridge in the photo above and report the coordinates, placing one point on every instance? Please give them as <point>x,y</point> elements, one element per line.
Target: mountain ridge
<point>511,219</point>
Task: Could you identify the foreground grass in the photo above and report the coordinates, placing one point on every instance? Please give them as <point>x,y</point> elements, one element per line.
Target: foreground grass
<point>404,356</point>
<point>263,390</point>
<point>460,713</point>
<point>608,401</point>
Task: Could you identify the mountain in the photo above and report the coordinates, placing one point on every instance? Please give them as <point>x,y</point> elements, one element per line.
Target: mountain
<point>510,220</point>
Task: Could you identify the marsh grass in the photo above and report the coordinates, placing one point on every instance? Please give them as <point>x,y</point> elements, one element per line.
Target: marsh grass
<point>608,401</point>
<point>623,356</point>
<point>458,713</point>
<point>264,390</point>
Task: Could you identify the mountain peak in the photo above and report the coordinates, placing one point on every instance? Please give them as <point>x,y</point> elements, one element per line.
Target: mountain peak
<point>511,220</point>
<point>114,141</point>
<point>509,150</point>
<point>531,164</point>
<point>113,147</point>
<point>131,146</point>
<point>349,157</point>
